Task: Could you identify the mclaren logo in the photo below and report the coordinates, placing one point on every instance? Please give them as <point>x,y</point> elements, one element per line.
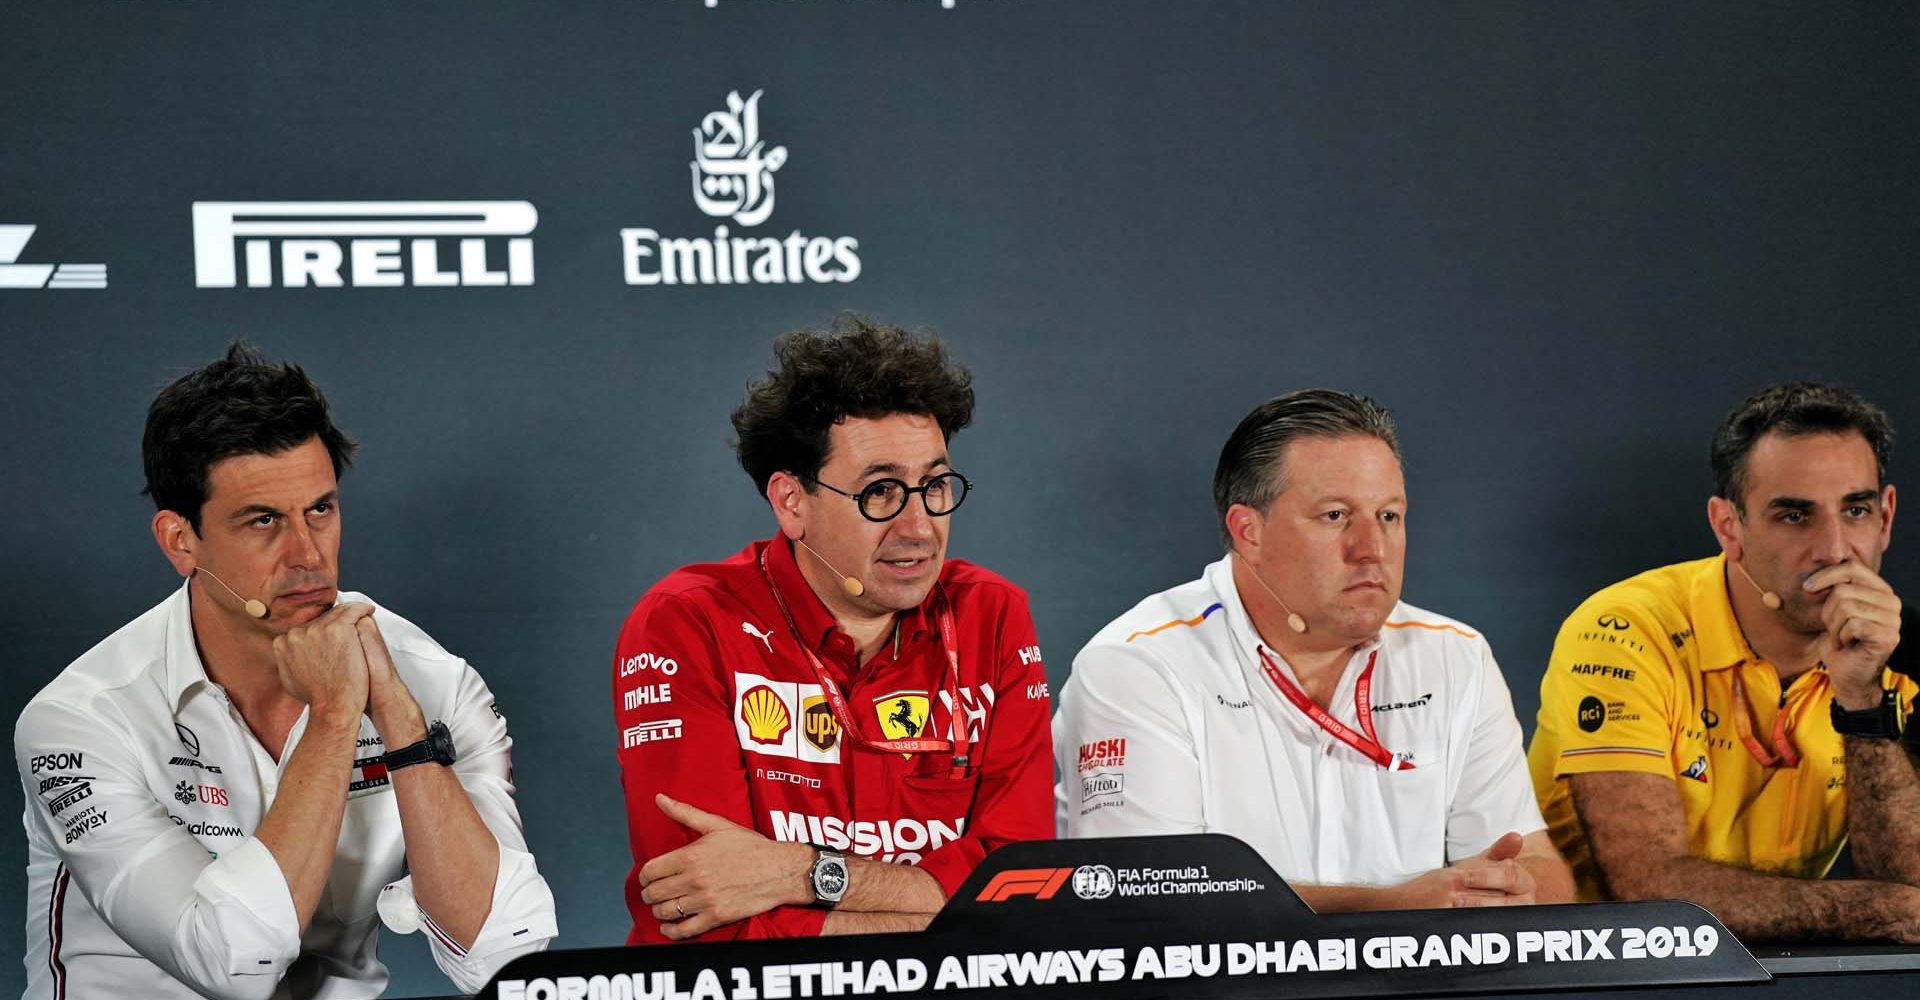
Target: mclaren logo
<point>766,715</point>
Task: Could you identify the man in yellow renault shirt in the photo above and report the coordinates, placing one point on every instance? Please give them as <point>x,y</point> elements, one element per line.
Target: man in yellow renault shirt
<point>1714,730</point>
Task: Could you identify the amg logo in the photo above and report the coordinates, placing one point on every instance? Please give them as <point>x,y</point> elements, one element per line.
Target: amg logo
<point>328,244</point>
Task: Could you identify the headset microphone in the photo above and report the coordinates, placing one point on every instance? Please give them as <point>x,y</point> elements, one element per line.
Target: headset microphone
<point>1767,597</point>
<point>253,607</point>
<point>1294,621</point>
<point>852,585</point>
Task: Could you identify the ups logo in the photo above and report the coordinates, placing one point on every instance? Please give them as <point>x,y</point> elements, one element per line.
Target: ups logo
<point>818,724</point>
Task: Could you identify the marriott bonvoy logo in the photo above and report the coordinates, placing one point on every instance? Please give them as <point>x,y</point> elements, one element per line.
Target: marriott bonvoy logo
<point>733,172</point>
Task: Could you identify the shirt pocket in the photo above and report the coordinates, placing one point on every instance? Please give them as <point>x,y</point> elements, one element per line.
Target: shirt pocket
<point>933,813</point>
<point>1412,806</point>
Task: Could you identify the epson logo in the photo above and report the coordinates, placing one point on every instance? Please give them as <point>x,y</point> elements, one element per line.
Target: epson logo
<point>363,244</point>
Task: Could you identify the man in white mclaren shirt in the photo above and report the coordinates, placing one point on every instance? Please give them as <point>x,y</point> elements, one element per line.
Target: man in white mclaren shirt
<point>226,796</point>
<point>1366,748</point>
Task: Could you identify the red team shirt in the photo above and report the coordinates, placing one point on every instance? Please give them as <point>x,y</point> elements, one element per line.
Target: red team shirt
<point>715,705</point>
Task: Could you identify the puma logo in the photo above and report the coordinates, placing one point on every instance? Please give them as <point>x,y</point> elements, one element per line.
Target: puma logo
<point>764,637</point>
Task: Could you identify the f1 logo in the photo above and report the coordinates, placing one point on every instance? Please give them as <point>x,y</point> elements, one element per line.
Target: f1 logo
<point>1040,883</point>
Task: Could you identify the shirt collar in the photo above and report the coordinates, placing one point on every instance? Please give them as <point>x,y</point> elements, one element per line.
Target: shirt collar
<point>1219,578</point>
<point>181,664</point>
<point>1722,642</point>
<point>810,615</point>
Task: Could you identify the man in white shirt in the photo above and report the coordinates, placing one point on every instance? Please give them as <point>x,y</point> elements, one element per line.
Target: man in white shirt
<point>223,795</point>
<point>1366,748</point>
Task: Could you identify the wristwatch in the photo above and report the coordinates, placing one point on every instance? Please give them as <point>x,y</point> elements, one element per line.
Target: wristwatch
<point>1881,722</point>
<point>829,877</point>
<point>436,748</point>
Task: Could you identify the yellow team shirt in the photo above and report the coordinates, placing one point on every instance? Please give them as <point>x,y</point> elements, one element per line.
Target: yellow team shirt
<point>1642,679</point>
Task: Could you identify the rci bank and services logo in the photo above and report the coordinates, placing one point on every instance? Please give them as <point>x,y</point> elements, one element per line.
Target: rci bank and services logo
<point>733,178</point>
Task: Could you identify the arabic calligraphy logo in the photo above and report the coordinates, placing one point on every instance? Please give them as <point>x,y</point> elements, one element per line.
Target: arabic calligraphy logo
<point>732,168</point>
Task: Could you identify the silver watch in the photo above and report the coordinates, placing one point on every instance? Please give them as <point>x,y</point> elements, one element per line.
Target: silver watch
<point>829,877</point>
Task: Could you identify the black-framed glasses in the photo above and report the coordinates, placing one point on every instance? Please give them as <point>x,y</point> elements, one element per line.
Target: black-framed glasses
<point>884,499</point>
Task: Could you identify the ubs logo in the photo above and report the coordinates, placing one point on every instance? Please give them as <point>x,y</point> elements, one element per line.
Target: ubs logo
<point>1614,622</point>
<point>1592,714</point>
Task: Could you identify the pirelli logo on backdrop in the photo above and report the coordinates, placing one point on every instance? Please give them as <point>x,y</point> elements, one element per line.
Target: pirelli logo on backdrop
<point>363,244</point>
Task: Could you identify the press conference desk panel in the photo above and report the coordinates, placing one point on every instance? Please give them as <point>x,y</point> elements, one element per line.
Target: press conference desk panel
<point>1204,917</point>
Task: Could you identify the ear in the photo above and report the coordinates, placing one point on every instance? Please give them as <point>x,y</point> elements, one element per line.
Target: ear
<point>1724,518</point>
<point>1244,525</point>
<point>176,539</point>
<point>788,498</point>
<point>1886,521</point>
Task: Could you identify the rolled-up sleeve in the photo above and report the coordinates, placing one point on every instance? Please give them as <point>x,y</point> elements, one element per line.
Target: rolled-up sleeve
<point>225,926</point>
<point>521,919</point>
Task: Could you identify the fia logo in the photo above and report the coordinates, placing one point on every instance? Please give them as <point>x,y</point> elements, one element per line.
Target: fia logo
<point>732,168</point>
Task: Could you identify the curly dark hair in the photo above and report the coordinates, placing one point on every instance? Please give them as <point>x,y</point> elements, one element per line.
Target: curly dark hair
<point>242,404</point>
<point>1792,409</point>
<point>856,369</point>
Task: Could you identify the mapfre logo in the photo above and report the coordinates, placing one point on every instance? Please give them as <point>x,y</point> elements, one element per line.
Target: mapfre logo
<point>13,239</point>
<point>733,178</point>
<point>363,244</point>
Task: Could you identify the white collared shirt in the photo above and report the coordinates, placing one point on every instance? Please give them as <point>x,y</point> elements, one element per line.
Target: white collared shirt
<point>1168,724</point>
<point>144,786</point>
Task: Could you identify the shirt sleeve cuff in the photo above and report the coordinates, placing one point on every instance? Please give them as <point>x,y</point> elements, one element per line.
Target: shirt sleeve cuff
<point>1589,760</point>
<point>520,921</point>
<point>248,878</point>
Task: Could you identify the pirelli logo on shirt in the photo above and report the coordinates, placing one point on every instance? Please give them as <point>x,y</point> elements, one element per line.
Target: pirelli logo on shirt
<point>784,719</point>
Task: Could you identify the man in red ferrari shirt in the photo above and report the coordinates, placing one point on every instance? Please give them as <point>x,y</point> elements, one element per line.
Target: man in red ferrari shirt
<point>824,733</point>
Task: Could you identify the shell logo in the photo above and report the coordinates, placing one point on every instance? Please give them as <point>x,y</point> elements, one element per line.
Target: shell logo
<point>766,715</point>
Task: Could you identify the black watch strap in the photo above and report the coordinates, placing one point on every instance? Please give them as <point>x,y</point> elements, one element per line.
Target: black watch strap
<point>437,748</point>
<point>1881,722</point>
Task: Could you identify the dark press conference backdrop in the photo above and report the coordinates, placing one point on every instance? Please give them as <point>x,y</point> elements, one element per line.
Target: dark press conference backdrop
<point>533,251</point>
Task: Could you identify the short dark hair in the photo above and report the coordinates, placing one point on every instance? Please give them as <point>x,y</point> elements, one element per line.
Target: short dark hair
<point>1792,409</point>
<point>855,369</point>
<point>1251,468</point>
<point>242,404</point>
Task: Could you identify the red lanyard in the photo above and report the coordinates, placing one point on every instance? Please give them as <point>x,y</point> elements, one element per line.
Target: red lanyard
<point>1369,743</point>
<point>1784,754</point>
<point>837,702</point>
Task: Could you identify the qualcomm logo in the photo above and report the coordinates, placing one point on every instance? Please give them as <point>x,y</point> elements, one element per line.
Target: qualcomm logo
<point>385,244</point>
<point>733,172</point>
<point>14,238</point>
